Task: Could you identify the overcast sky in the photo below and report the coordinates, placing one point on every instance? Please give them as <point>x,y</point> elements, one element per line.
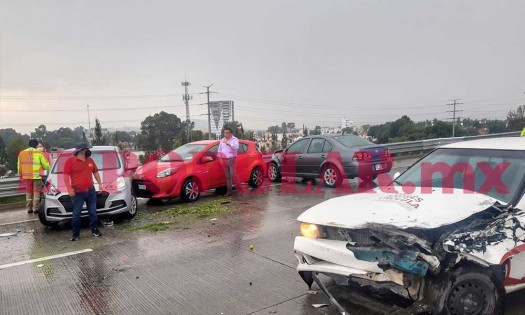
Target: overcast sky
<point>310,62</point>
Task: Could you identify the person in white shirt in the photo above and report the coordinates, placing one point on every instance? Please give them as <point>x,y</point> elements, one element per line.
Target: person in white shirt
<point>228,155</point>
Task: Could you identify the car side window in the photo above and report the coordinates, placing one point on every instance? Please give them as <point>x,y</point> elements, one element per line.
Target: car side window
<point>212,151</point>
<point>298,147</point>
<point>316,146</point>
<point>327,147</point>
<point>243,148</point>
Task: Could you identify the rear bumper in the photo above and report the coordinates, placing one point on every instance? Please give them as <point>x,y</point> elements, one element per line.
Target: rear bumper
<point>364,169</point>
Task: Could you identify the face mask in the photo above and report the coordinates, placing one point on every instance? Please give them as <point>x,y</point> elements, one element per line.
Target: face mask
<point>40,148</point>
<point>88,153</point>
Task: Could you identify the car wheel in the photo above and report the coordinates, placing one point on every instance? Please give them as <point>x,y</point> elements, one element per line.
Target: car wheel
<point>256,177</point>
<point>190,190</point>
<point>42,214</point>
<point>471,290</point>
<point>331,176</point>
<point>274,173</point>
<point>132,212</point>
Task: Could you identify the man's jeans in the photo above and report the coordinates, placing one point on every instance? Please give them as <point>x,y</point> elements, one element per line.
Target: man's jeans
<point>229,166</point>
<point>90,198</point>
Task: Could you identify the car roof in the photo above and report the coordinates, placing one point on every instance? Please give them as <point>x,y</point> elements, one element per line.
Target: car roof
<point>214,141</point>
<point>505,143</point>
<point>95,148</point>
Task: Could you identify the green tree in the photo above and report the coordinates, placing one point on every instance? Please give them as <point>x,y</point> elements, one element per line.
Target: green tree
<point>2,151</point>
<point>197,135</point>
<point>13,149</point>
<point>159,131</point>
<point>9,134</point>
<point>40,133</point>
<point>98,138</point>
<point>516,119</point>
<point>347,130</point>
<point>290,126</point>
<point>284,140</point>
<point>236,127</point>
<point>496,126</point>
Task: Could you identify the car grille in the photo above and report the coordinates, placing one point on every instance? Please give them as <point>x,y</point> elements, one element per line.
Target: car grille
<point>360,237</point>
<point>150,190</point>
<point>68,204</point>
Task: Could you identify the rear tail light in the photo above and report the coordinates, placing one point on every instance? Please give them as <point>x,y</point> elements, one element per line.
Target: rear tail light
<point>360,156</point>
<point>387,153</point>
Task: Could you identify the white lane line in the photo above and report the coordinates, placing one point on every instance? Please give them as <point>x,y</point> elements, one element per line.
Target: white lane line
<point>18,222</point>
<point>20,263</point>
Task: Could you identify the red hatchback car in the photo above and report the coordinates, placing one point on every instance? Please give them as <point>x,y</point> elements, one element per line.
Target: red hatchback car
<point>195,167</point>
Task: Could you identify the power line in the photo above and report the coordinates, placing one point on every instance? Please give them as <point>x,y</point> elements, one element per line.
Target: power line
<point>84,97</point>
<point>454,111</point>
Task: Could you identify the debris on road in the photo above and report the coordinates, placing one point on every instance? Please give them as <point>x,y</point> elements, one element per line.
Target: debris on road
<point>108,223</point>
<point>251,247</point>
<point>8,234</point>
<point>311,292</point>
<point>40,265</point>
<point>214,219</point>
<point>319,305</point>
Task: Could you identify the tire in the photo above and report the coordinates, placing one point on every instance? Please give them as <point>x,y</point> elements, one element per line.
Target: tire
<point>256,177</point>
<point>190,191</point>
<point>331,176</point>
<point>470,290</point>
<point>132,209</point>
<point>274,173</point>
<point>42,214</point>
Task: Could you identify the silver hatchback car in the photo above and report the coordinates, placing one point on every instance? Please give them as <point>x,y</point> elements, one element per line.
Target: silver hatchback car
<point>116,197</point>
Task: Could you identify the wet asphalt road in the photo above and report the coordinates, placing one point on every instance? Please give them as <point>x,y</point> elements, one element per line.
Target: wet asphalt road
<point>205,269</point>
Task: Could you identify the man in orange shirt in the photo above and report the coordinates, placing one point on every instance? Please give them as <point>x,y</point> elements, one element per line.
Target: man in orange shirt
<point>79,171</point>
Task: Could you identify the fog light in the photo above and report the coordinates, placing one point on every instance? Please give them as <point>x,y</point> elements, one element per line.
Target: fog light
<point>310,230</point>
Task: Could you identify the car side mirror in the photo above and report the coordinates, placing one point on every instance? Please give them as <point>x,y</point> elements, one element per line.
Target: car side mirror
<point>206,159</point>
<point>396,175</point>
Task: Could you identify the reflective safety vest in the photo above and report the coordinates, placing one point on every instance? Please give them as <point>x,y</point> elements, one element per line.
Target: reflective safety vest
<point>31,164</point>
<point>523,132</point>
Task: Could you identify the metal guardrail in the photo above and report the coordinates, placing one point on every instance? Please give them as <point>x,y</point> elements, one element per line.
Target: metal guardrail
<point>425,145</point>
<point>10,187</point>
<point>14,187</point>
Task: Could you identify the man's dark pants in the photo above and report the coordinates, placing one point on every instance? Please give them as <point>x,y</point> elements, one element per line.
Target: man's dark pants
<point>90,198</point>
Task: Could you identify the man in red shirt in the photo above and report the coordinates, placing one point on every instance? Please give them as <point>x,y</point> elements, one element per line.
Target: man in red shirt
<point>78,176</point>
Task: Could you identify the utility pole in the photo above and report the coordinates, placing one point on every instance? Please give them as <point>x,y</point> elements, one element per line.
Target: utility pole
<point>186,98</point>
<point>209,113</point>
<point>454,111</point>
<point>89,125</point>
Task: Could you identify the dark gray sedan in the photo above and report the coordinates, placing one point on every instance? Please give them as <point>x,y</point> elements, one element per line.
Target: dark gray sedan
<point>331,158</point>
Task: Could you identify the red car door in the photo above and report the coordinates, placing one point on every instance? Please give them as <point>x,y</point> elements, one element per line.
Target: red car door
<point>213,174</point>
<point>243,163</point>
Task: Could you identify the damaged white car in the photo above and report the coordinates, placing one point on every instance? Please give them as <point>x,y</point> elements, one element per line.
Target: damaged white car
<point>446,237</point>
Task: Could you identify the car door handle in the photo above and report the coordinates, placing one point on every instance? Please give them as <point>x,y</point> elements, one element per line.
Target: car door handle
<point>299,157</point>
<point>323,155</point>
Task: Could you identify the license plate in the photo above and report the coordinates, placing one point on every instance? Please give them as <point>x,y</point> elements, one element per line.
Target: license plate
<point>142,187</point>
<point>377,167</point>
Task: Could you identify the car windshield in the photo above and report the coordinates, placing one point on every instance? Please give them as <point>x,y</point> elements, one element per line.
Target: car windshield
<point>183,153</point>
<point>105,160</point>
<point>352,141</point>
<point>496,173</point>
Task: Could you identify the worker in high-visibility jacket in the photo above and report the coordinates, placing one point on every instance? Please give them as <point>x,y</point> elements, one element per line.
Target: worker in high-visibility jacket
<point>523,132</point>
<point>31,164</point>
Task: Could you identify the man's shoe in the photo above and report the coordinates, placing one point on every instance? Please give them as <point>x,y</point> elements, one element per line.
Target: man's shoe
<point>74,238</point>
<point>29,210</point>
<point>96,233</point>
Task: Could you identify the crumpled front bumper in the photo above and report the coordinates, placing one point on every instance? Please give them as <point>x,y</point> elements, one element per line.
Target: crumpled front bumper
<point>338,259</point>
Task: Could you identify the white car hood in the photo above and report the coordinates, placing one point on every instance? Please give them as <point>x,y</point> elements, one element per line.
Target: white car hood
<point>416,210</point>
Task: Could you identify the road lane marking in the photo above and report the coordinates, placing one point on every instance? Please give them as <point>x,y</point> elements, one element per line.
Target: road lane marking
<point>30,261</point>
<point>25,221</point>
